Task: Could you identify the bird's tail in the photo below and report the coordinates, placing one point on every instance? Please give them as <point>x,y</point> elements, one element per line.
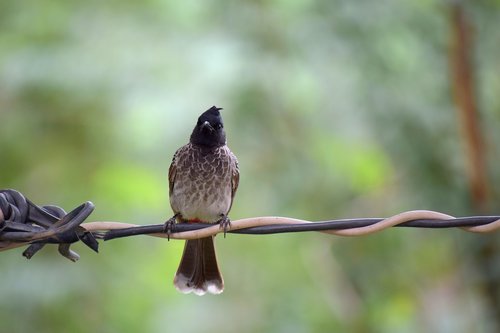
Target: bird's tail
<point>198,271</point>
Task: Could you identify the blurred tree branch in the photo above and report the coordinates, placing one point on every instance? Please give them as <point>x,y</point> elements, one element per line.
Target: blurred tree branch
<point>462,74</point>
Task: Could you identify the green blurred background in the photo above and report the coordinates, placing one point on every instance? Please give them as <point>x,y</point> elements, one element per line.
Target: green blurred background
<point>335,109</point>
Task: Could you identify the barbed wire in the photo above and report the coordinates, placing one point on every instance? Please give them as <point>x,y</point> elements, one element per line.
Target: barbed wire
<point>24,223</point>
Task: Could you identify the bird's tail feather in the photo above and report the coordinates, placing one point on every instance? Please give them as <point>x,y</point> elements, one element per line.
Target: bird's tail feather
<point>198,271</point>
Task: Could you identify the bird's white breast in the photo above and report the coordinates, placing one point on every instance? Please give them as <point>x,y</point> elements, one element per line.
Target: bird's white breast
<point>202,189</point>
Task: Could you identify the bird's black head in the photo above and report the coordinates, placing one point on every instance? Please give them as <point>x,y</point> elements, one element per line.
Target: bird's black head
<point>209,130</point>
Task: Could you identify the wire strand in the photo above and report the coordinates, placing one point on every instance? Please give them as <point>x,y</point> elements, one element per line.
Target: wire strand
<point>24,223</point>
<point>276,224</point>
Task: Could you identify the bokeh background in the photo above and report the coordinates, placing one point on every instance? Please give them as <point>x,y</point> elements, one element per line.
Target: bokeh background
<point>335,109</point>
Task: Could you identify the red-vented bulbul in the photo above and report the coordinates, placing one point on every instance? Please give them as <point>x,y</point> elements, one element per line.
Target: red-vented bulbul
<point>203,179</point>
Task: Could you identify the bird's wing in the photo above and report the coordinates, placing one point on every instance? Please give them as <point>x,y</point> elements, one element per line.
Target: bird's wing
<point>172,170</point>
<point>235,180</point>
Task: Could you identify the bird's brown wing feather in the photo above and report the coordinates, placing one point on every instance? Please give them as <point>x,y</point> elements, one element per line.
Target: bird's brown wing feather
<point>172,170</point>
<point>235,180</point>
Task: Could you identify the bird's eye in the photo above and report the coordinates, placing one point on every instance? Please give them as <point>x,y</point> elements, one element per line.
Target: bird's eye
<point>218,126</point>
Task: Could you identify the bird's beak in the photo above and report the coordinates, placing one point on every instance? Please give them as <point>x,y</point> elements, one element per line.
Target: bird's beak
<point>206,125</point>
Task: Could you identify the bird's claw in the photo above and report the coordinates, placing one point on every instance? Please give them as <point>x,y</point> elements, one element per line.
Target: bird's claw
<point>167,227</point>
<point>224,223</point>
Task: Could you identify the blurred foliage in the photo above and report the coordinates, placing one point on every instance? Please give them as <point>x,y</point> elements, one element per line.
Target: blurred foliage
<point>334,108</point>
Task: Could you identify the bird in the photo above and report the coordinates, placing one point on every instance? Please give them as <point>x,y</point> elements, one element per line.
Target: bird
<point>203,179</point>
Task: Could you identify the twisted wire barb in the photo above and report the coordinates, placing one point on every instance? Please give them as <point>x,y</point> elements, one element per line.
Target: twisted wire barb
<point>24,223</point>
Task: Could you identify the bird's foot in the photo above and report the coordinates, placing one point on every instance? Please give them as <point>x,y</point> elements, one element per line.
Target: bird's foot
<point>167,227</point>
<point>224,223</point>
